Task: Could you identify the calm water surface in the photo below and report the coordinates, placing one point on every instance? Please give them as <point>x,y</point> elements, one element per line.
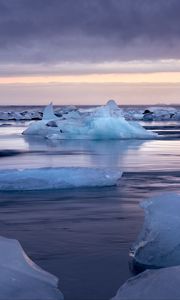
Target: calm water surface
<point>83,235</point>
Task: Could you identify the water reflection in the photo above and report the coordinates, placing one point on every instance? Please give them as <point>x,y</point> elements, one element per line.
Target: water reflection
<point>109,154</point>
<point>129,155</point>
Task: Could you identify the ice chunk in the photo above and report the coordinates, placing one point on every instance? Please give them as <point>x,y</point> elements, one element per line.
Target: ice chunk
<point>102,123</point>
<point>100,128</point>
<point>21,278</point>
<point>133,114</point>
<point>72,115</point>
<point>111,109</point>
<point>24,115</point>
<point>32,115</point>
<point>48,113</point>
<point>4,116</point>
<point>158,244</point>
<point>67,109</point>
<point>162,284</point>
<point>112,104</point>
<point>56,178</point>
<point>158,113</point>
<point>40,128</point>
<point>161,109</point>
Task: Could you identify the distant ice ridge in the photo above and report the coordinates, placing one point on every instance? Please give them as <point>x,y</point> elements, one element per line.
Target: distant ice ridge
<point>154,113</point>
<point>33,114</point>
<point>101,123</point>
<point>158,244</point>
<point>24,115</point>
<point>162,284</point>
<point>21,278</point>
<point>57,178</point>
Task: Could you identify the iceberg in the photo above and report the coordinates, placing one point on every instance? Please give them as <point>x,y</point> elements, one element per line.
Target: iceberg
<point>57,178</point>
<point>158,244</point>
<point>21,278</point>
<point>101,123</point>
<point>162,284</point>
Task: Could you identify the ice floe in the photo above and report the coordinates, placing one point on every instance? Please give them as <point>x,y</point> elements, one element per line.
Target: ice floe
<point>158,244</point>
<point>57,178</point>
<point>162,284</point>
<point>21,278</point>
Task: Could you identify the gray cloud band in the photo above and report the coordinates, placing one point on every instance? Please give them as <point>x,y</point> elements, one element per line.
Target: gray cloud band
<point>53,31</point>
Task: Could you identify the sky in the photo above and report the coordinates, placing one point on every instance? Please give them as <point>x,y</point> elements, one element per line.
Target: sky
<point>89,51</point>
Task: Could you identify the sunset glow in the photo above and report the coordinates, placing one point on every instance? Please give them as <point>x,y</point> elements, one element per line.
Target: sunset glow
<point>96,78</point>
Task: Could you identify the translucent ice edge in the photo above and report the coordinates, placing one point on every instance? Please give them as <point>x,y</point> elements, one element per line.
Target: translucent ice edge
<point>162,284</point>
<point>158,244</point>
<point>21,278</point>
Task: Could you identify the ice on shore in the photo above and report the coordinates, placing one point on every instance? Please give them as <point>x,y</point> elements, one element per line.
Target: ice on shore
<point>162,284</point>
<point>21,278</point>
<point>102,123</point>
<point>160,114</point>
<point>20,116</point>
<point>57,178</point>
<point>158,244</point>
<point>152,113</point>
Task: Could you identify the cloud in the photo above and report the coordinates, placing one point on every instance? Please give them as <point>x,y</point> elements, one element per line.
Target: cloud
<point>79,68</point>
<point>54,31</point>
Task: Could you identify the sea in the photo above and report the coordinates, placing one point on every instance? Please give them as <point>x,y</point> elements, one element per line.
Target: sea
<point>83,235</point>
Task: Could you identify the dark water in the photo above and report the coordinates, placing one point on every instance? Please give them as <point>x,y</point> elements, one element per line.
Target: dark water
<point>83,235</point>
